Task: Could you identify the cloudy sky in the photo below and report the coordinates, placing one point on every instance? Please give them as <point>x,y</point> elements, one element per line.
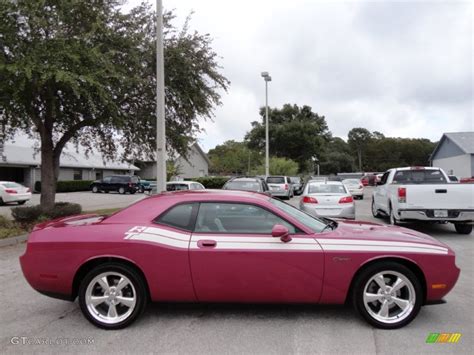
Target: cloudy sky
<point>402,68</point>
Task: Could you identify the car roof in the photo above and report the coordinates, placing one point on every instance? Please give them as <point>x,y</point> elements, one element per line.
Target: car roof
<point>182,182</point>
<point>318,182</point>
<point>211,194</point>
<point>255,179</point>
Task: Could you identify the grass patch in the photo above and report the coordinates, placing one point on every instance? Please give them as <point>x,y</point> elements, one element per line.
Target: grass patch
<point>10,228</point>
<point>103,211</point>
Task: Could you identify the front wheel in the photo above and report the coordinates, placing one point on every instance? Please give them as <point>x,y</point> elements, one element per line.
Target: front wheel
<point>121,191</point>
<point>95,189</point>
<point>463,228</point>
<point>375,211</point>
<point>112,296</point>
<point>387,295</point>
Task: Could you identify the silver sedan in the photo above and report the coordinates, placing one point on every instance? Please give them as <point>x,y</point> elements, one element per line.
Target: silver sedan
<point>327,199</point>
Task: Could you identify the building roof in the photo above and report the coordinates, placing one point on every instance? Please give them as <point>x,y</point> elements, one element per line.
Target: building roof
<point>464,140</point>
<point>18,155</point>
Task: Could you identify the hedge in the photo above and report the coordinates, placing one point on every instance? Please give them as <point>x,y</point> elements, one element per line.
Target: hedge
<point>211,182</point>
<point>68,185</point>
<point>31,214</point>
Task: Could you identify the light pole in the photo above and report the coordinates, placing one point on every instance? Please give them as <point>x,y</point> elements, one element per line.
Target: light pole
<point>267,78</point>
<point>160,103</point>
<point>316,164</point>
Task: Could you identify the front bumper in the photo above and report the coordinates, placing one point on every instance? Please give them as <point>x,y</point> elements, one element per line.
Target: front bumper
<point>330,212</point>
<point>466,216</point>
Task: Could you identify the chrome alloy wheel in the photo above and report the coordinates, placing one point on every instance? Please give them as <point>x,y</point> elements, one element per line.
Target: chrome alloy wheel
<point>389,297</point>
<point>110,297</point>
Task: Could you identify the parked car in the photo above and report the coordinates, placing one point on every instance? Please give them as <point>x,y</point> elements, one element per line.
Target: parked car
<point>145,185</point>
<point>355,187</point>
<point>227,246</point>
<point>13,192</point>
<point>255,184</point>
<point>280,186</point>
<point>119,183</point>
<point>327,199</point>
<point>424,194</point>
<point>297,184</point>
<point>183,185</point>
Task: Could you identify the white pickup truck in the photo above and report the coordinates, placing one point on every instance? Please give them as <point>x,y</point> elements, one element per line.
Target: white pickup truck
<point>424,194</point>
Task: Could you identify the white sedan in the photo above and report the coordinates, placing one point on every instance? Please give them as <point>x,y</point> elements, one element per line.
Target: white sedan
<point>13,192</point>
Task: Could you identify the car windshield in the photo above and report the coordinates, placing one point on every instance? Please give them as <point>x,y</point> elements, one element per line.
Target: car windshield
<point>315,224</point>
<point>351,182</point>
<point>11,185</point>
<point>275,180</point>
<point>326,189</point>
<point>243,185</point>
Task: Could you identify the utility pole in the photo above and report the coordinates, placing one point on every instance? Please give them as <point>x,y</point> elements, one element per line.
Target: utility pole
<point>160,103</point>
<point>267,78</point>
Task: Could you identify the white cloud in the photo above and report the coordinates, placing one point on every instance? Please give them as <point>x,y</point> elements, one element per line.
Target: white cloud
<point>402,68</point>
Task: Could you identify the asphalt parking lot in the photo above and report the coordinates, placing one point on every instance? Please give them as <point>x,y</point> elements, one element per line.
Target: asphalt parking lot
<point>28,316</point>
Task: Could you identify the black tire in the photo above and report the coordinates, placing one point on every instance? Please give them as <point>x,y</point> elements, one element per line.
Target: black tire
<point>142,189</point>
<point>138,284</point>
<point>21,202</point>
<point>463,228</point>
<point>363,278</point>
<point>121,190</point>
<point>375,213</point>
<point>132,191</point>
<point>391,217</point>
<point>95,189</point>
<point>1,202</point>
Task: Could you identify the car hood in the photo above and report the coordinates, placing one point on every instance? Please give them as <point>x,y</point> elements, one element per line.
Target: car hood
<point>369,231</point>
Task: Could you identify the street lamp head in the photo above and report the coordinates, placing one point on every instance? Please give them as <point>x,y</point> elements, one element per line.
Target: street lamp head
<point>266,76</point>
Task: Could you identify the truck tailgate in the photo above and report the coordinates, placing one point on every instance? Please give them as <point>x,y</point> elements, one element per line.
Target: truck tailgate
<point>440,196</point>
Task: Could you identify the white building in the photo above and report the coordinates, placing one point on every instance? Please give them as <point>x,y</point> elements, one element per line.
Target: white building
<point>23,164</point>
<point>455,154</point>
<point>196,165</point>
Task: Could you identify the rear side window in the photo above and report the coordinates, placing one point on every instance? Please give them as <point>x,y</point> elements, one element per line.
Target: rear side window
<point>134,179</point>
<point>419,177</point>
<point>275,180</point>
<point>180,216</point>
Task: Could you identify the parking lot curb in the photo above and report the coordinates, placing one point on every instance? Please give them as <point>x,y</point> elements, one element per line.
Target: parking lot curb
<point>13,240</point>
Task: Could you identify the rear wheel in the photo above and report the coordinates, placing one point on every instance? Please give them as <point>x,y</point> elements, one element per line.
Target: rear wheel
<point>95,189</point>
<point>387,295</point>
<point>21,202</point>
<point>393,220</point>
<point>112,296</point>
<point>375,211</point>
<point>121,191</point>
<point>463,228</point>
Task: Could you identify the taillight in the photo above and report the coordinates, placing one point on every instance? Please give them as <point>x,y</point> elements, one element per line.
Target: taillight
<point>286,186</point>
<point>28,190</point>
<point>308,199</point>
<point>347,199</point>
<point>11,191</point>
<point>402,194</point>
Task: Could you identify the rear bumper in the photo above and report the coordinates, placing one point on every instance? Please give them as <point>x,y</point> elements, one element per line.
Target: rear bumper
<point>466,216</point>
<point>16,197</point>
<point>345,212</point>
<point>280,193</point>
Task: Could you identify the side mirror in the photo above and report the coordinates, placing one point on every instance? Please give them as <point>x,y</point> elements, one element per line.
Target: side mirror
<point>280,231</point>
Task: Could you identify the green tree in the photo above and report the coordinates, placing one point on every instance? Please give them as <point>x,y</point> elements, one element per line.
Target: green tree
<point>295,132</point>
<point>359,139</point>
<point>84,72</point>
<point>279,166</point>
<point>233,157</point>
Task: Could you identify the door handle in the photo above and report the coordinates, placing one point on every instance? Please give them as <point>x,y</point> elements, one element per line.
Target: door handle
<point>206,243</point>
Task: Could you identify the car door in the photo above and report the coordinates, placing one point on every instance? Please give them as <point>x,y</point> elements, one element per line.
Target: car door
<point>381,192</point>
<point>234,257</point>
<point>105,183</point>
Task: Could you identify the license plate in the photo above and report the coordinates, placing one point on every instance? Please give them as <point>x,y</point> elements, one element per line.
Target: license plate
<point>440,213</point>
<point>274,188</point>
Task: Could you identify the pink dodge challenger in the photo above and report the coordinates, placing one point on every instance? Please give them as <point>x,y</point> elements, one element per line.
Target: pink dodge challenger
<point>234,246</point>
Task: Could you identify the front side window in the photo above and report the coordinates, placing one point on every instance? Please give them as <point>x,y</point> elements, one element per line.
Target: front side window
<point>107,180</point>
<point>315,224</point>
<point>238,218</point>
<point>180,216</point>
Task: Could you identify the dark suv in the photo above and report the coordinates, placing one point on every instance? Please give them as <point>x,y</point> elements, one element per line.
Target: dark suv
<point>120,183</point>
<point>255,184</point>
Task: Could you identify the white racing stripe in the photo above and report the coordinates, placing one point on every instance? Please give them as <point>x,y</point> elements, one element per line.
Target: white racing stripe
<point>185,240</point>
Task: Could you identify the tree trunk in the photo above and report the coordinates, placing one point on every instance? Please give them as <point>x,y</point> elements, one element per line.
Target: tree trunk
<point>49,175</point>
<point>359,153</point>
